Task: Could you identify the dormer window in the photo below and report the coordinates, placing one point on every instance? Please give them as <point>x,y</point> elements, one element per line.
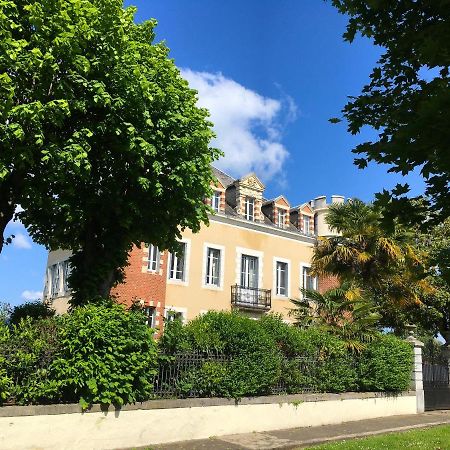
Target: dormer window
<point>307,224</point>
<point>215,201</point>
<point>249,212</point>
<point>281,218</point>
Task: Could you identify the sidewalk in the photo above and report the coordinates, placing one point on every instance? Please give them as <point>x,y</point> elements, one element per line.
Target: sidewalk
<point>304,437</point>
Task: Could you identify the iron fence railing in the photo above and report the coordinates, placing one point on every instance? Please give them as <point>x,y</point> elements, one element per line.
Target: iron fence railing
<point>251,298</point>
<point>185,375</point>
<point>435,375</point>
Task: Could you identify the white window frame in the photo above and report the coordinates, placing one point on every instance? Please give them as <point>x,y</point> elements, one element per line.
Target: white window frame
<point>216,200</point>
<point>187,254</point>
<point>307,231</point>
<point>154,258</point>
<point>302,279</point>
<point>65,270</point>
<point>250,252</point>
<point>281,213</point>
<point>55,280</point>
<point>221,249</point>
<point>152,316</point>
<point>249,201</point>
<point>276,260</point>
<point>177,309</point>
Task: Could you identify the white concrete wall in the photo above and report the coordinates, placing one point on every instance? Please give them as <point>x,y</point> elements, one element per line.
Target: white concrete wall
<point>141,427</point>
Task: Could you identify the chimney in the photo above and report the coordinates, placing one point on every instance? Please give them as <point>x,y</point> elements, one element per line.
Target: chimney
<point>337,199</point>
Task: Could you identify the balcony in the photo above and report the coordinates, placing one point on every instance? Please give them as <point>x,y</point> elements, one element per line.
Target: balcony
<point>251,298</point>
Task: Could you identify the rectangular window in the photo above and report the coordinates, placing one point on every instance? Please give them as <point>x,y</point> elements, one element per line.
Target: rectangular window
<point>249,271</point>
<point>306,224</point>
<point>309,282</point>
<point>250,208</point>
<point>66,273</point>
<point>282,278</point>
<point>281,218</point>
<point>172,315</point>
<point>177,269</point>
<point>213,267</point>
<point>153,258</point>
<point>55,278</point>
<point>215,201</point>
<point>150,314</point>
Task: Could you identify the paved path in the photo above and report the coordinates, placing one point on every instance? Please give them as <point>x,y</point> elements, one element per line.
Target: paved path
<point>304,437</point>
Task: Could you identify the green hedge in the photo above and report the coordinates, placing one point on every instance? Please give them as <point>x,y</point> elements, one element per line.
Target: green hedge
<point>96,354</point>
<point>385,365</point>
<point>255,360</point>
<point>104,354</point>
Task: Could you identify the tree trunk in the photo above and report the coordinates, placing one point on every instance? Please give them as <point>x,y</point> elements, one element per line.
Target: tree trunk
<point>7,205</point>
<point>97,266</point>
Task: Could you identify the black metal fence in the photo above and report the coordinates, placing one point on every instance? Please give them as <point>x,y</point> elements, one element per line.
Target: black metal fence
<point>181,375</point>
<point>435,375</point>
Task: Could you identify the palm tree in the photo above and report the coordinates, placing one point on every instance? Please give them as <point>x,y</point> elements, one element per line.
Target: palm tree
<point>343,312</point>
<point>385,264</point>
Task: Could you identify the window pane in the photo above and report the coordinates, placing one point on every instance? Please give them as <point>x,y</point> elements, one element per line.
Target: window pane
<point>249,208</point>
<point>153,258</point>
<point>213,266</point>
<point>66,273</point>
<point>281,278</point>
<point>306,224</point>
<point>249,271</point>
<point>215,201</point>
<point>177,264</point>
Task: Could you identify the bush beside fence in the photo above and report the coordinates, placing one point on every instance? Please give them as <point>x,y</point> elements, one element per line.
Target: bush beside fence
<point>104,354</point>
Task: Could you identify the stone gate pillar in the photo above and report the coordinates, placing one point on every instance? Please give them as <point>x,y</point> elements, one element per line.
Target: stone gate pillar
<point>416,376</point>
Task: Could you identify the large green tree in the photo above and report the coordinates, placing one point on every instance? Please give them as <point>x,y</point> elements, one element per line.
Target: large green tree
<point>407,100</point>
<point>435,315</point>
<point>101,141</point>
<point>386,264</point>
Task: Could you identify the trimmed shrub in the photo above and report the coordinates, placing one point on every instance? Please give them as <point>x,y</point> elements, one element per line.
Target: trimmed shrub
<point>27,350</point>
<point>314,358</point>
<point>255,361</point>
<point>6,384</point>
<point>34,310</point>
<point>385,365</point>
<point>107,355</point>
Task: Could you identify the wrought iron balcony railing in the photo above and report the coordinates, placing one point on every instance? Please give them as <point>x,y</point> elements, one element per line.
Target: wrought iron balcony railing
<point>251,298</point>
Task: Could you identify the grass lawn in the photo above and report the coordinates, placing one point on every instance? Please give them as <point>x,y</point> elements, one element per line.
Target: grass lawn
<point>434,438</point>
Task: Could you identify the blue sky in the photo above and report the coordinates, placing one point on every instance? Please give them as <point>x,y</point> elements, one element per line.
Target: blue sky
<point>272,72</point>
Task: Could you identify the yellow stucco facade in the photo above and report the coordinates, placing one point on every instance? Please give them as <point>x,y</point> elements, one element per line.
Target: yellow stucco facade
<point>234,238</point>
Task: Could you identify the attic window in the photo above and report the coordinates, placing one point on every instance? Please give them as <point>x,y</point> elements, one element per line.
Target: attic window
<point>307,224</point>
<point>249,208</point>
<point>281,218</point>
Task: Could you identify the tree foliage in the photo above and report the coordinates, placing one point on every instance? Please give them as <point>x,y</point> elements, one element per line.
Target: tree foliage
<point>343,312</point>
<point>386,264</point>
<point>407,100</point>
<point>35,310</point>
<point>435,314</point>
<point>101,141</point>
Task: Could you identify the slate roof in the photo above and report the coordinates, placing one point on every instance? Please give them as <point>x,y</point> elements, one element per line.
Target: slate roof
<point>224,178</point>
<point>227,180</point>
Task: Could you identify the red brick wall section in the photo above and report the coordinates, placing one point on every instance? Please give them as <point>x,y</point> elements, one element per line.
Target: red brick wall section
<point>327,282</point>
<point>141,284</point>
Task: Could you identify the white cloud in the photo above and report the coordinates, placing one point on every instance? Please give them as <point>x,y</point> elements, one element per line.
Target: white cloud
<point>21,241</point>
<point>248,126</point>
<point>32,295</point>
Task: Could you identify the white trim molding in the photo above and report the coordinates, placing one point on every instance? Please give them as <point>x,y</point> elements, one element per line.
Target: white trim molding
<point>177,309</point>
<point>301,281</point>
<point>248,251</point>
<point>187,257</point>
<point>274,277</point>
<point>221,249</point>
